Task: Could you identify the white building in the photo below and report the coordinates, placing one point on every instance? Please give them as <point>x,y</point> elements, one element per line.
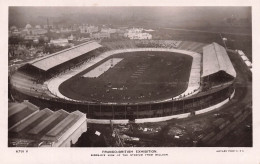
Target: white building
<point>135,30</point>
<point>71,37</point>
<point>60,42</point>
<point>28,26</point>
<point>136,33</point>
<point>88,29</point>
<point>248,63</point>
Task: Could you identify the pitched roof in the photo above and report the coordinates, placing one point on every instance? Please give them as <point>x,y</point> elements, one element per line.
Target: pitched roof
<point>60,57</point>
<point>215,59</point>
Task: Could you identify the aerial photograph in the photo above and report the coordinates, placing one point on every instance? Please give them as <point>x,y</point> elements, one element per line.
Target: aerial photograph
<point>130,76</point>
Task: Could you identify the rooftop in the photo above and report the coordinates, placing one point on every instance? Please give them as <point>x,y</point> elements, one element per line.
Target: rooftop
<point>60,57</point>
<point>41,125</point>
<point>215,59</point>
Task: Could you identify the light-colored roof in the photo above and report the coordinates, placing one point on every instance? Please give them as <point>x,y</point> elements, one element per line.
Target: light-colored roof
<point>62,125</point>
<point>28,26</point>
<point>244,57</point>
<point>45,125</point>
<point>32,119</point>
<point>248,63</point>
<point>38,128</point>
<point>63,56</point>
<point>38,26</point>
<point>18,113</point>
<point>215,59</point>
<point>16,108</point>
<point>240,52</point>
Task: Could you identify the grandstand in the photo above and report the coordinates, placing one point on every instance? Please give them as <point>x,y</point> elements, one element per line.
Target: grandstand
<point>119,44</point>
<point>217,67</point>
<point>61,57</point>
<point>29,78</point>
<point>48,66</point>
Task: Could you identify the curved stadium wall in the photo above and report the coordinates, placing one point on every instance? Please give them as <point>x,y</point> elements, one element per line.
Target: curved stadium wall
<point>136,111</point>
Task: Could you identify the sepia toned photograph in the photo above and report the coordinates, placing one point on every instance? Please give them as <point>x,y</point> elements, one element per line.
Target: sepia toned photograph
<point>129,76</point>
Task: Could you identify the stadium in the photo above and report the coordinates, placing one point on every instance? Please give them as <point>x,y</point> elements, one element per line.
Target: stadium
<point>130,80</point>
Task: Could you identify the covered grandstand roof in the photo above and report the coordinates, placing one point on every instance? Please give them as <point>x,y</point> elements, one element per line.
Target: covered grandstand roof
<point>215,59</point>
<point>60,57</point>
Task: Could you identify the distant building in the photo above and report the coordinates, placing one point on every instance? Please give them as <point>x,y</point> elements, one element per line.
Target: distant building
<point>88,29</point>
<point>66,30</point>
<point>31,37</point>
<point>121,32</point>
<point>38,31</point>
<point>38,26</point>
<point>108,30</point>
<point>149,30</point>
<point>36,41</point>
<point>136,33</point>
<point>60,42</point>
<point>100,35</point>
<point>13,28</point>
<point>28,26</point>
<point>28,126</point>
<point>28,30</point>
<point>14,31</point>
<point>71,37</point>
<point>82,39</point>
<point>48,26</point>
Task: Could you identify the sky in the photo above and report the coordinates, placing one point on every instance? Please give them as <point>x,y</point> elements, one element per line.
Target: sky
<point>168,16</point>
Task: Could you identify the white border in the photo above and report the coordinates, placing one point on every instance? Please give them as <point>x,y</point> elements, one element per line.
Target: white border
<point>176,155</point>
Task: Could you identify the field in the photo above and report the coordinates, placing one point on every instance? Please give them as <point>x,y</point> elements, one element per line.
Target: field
<point>138,77</point>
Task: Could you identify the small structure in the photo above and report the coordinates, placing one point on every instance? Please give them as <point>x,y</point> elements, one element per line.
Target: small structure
<point>71,37</point>
<point>60,42</point>
<point>248,63</point>
<point>245,59</point>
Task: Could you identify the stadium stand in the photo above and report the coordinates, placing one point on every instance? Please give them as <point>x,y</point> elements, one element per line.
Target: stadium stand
<point>217,67</point>
<point>119,44</point>
<point>29,78</point>
<point>64,56</point>
<point>215,59</point>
